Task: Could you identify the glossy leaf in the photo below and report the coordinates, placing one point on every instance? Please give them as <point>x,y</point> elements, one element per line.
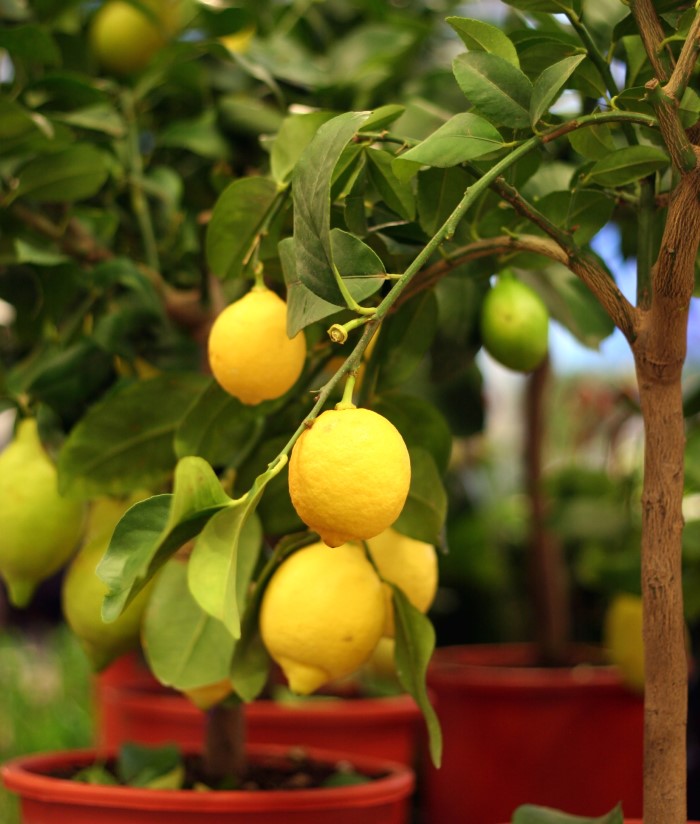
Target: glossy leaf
<point>303,306</point>
<point>627,165</point>
<point>72,174</point>
<point>185,647</point>
<point>312,205</point>
<point>218,428</point>
<point>152,530</point>
<point>236,220</point>
<point>396,193</point>
<point>222,563</point>
<point>550,84</point>
<point>424,512</point>
<point>497,90</point>
<point>439,191</point>
<point>478,35</point>
<point>593,142</point>
<point>125,441</point>
<point>548,6</point>
<point>360,266</point>
<point>415,642</point>
<point>464,137</point>
<point>294,135</point>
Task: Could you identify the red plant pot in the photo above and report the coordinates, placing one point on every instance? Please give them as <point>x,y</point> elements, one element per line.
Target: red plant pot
<point>47,799</point>
<point>568,738</point>
<point>133,706</point>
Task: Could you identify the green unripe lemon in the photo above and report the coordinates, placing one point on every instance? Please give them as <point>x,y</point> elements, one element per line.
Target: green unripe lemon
<point>124,39</point>
<point>515,325</point>
<point>83,592</point>
<point>40,528</point>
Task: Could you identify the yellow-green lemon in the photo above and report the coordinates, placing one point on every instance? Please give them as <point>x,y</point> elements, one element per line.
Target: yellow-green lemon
<point>83,592</point>
<point>515,325</point>
<point>322,614</point>
<point>409,564</point>
<point>349,475</point>
<point>250,354</point>
<point>622,638</point>
<point>39,528</point>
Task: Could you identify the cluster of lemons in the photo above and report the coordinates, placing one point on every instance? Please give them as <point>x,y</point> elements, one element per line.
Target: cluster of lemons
<point>328,605</point>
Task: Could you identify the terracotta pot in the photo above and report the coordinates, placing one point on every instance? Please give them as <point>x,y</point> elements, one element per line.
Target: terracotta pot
<point>568,738</point>
<point>132,706</point>
<point>45,798</point>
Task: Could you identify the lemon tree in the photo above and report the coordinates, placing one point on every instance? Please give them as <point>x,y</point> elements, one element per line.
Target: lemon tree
<point>377,186</point>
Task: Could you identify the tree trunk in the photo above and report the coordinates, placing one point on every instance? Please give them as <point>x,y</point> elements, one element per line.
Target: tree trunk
<point>224,743</point>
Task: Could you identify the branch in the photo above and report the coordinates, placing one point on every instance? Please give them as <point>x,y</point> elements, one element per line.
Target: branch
<point>685,66</point>
<point>652,34</point>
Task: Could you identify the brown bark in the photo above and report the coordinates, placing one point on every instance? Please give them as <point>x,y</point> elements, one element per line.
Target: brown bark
<point>224,742</point>
<point>659,351</point>
<point>549,579</point>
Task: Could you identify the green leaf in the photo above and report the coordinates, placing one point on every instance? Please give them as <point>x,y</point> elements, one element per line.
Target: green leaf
<point>125,441</point>
<point>294,135</point>
<point>185,647</point>
<point>424,512</point>
<point>396,193</point>
<point>98,118</point>
<point>593,142</point>
<point>627,165</point>
<point>478,35</point>
<point>222,563</point>
<point>152,530</point>
<point>464,137</point>
<point>16,121</point>
<point>30,43</point>
<point>420,424</point>
<point>235,223</point>
<point>550,84</point>
<point>415,642</point>
<point>303,306</point>
<point>72,174</point>
<point>532,814</point>
<point>439,191</point>
<point>218,428</point>
<point>382,117</point>
<point>496,89</point>
<point>312,180</point>
<point>199,135</point>
<point>405,338</point>
<point>359,266</point>
<point>143,766</point>
<point>547,6</point>
<point>583,212</point>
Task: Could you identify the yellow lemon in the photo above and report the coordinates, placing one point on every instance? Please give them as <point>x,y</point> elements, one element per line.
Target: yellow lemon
<point>124,39</point>
<point>622,638</point>
<point>349,475</point>
<point>82,592</point>
<point>322,614</point>
<point>409,564</point>
<point>40,529</point>
<point>204,698</point>
<point>250,355</point>
<point>239,42</point>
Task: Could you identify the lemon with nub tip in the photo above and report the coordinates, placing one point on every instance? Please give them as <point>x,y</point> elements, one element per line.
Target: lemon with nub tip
<point>349,475</point>
<point>40,529</point>
<point>322,614</point>
<point>409,564</point>
<point>250,354</point>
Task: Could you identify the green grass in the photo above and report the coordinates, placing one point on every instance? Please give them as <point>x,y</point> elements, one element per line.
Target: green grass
<point>46,698</point>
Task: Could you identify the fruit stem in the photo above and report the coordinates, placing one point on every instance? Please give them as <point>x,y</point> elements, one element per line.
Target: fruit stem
<point>346,400</point>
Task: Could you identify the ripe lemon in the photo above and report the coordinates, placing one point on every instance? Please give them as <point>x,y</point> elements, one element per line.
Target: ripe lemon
<point>82,592</point>
<point>322,614</point>
<point>124,39</point>
<point>40,529</point>
<point>409,564</point>
<point>622,638</point>
<point>204,698</point>
<point>349,475</point>
<point>515,325</point>
<point>250,354</point>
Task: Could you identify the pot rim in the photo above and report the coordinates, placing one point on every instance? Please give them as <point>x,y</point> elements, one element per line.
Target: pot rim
<point>26,776</point>
<point>356,710</point>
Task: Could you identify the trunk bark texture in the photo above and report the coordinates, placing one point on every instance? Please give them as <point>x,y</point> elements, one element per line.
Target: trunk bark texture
<point>224,743</point>
<point>659,350</point>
